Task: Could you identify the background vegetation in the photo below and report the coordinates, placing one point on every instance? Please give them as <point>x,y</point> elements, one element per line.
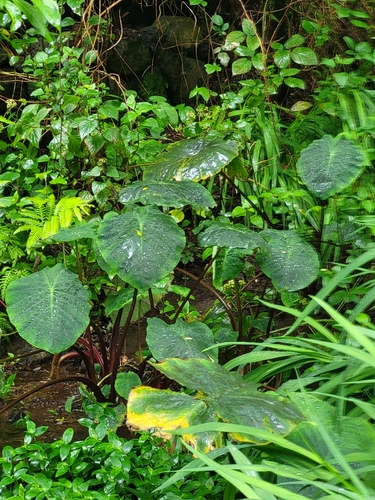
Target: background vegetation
<point>260,177</point>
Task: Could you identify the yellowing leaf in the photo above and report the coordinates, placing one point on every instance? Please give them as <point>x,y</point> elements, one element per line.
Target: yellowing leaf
<point>163,410</point>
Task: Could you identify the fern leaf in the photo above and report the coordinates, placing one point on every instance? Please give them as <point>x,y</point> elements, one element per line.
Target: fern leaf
<point>34,237</point>
<point>8,275</point>
<point>50,227</point>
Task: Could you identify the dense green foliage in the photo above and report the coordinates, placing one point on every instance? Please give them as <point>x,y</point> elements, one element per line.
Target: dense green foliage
<point>99,467</point>
<point>264,175</point>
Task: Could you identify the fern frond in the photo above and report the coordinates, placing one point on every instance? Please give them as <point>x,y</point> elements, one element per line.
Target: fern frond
<point>5,325</point>
<point>34,237</point>
<point>50,227</point>
<point>43,207</point>
<point>9,274</point>
<point>11,248</point>
<point>69,207</point>
<point>27,216</point>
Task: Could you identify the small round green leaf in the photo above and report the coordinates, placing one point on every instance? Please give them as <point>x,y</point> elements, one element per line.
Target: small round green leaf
<point>294,41</point>
<point>329,165</point>
<point>241,66</point>
<point>282,58</point>
<point>125,382</point>
<point>304,56</point>
<point>50,308</point>
<point>295,83</point>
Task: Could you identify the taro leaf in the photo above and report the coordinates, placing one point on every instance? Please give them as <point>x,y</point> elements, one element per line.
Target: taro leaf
<point>165,410</point>
<point>150,408</point>
<point>141,246</point>
<point>329,165</point>
<point>125,381</point>
<point>78,231</point>
<point>230,235</point>
<point>228,396</point>
<point>167,194</point>
<point>290,262</point>
<point>192,159</point>
<point>201,375</point>
<point>228,264</point>
<point>179,340</point>
<point>49,308</point>
<point>267,411</point>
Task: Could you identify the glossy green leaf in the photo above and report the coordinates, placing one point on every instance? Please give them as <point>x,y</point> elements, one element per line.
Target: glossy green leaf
<point>50,10</point>
<point>268,411</point>
<point>124,297</point>
<point>78,231</point>
<point>33,15</point>
<point>202,375</point>
<point>304,56</point>
<point>111,108</point>
<point>86,125</point>
<point>49,308</point>
<point>229,235</point>
<point>94,143</point>
<point>290,262</point>
<point>294,41</point>
<point>179,340</point>
<point>141,246</point>
<point>282,58</point>
<point>329,165</point>
<point>125,381</point>
<point>227,266</point>
<point>354,437</point>
<point>235,37</point>
<point>224,394</point>
<point>241,66</point>
<point>8,177</point>
<point>247,27</point>
<point>258,61</point>
<point>301,106</point>
<point>192,159</point>
<point>295,83</point>
<point>167,194</point>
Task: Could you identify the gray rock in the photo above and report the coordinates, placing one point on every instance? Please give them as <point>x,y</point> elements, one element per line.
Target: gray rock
<point>129,56</point>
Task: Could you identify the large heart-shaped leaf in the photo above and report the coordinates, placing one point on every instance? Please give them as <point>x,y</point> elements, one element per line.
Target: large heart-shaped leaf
<point>192,159</point>
<point>229,235</point>
<point>329,165</point>
<point>167,194</point>
<point>290,262</point>
<point>141,246</point>
<point>224,394</point>
<point>202,375</point>
<point>50,308</point>
<point>179,340</point>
